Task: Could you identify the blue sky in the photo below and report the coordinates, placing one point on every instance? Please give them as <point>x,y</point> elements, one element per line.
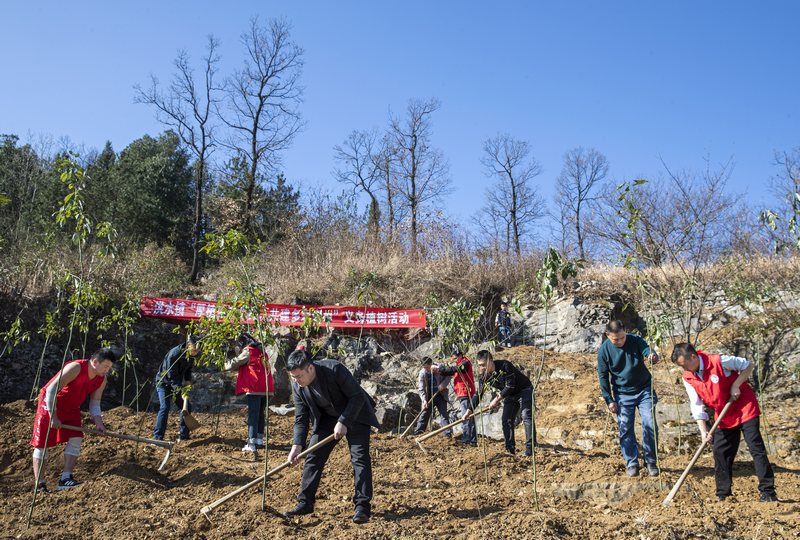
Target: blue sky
<point>638,81</point>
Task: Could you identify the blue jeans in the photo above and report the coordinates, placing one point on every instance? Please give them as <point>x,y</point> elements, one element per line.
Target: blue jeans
<point>511,406</point>
<point>166,395</point>
<point>469,434</point>
<point>255,415</point>
<point>627,405</point>
<point>505,334</point>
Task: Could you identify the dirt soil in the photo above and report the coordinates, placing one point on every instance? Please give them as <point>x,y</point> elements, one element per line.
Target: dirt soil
<point>450,492</point>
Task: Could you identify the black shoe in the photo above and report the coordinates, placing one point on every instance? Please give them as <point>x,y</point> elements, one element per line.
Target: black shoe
<point>41,487</point>
<point>69,483</point>
<point>768,497</point>
<point>721,498</point>
<point>299,510</point>
<point>361,516</point>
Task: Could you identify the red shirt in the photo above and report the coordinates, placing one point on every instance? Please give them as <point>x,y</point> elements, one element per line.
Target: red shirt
<point>252,378</point>
<point>714,388</point>
<point>463,381</point>
<point>68,406</point>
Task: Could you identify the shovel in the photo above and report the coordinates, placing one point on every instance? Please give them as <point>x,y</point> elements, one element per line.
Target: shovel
<point>164,444</point>
<point>190,421</point>
<point>207,509</point>
<point>414,421</point>
<point>680,481</point>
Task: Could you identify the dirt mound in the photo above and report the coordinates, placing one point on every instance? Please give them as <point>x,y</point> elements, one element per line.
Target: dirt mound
<point>449,492</point>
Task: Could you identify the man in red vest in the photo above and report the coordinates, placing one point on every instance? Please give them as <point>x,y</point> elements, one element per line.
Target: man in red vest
<point>464,387</point>
<point>715,379</point>
<point>60,403</point>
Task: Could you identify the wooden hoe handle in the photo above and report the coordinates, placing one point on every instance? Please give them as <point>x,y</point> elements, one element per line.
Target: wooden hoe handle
<point>448,426</point>
<point>164,444</point>
<point>414,421</point>
<point>682,479</point>
<point>206,509</point>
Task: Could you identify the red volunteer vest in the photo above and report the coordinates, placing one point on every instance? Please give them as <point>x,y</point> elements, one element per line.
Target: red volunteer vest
<point>464,383</point>
<point>252,378</point>
<point>68,407</point>
<point>715,389</point>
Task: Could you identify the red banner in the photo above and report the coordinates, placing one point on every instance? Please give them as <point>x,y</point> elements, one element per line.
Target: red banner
<point>288,314</point>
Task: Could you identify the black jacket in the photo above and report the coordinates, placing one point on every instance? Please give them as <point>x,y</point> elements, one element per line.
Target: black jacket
<point>350,401</point>
<point>176,368</point>
<point>506,378</point>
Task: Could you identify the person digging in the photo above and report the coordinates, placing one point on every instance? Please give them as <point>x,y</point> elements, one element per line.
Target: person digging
<point>715,380</point>
<point>327,396</point>
<point>514,391</point>
<point>432,388</point>
<point>60,403</point>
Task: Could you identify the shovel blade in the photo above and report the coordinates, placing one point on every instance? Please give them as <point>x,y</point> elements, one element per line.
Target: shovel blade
<point>190,421</point>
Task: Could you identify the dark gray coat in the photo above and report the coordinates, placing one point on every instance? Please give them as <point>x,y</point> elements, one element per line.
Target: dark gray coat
<point>350,401</point>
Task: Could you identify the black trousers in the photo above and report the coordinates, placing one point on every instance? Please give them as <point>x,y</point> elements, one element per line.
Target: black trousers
<point>511,406</point>
<point>358,441</point>
<point>441,405</point>
<point>726,444</point>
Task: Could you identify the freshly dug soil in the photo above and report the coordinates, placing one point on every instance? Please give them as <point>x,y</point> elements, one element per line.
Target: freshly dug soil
<point>449,492</point>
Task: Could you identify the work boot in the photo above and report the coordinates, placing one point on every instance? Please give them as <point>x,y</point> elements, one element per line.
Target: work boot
<point>299,510</point>
<point>361,516</point>
<point>69,483</point>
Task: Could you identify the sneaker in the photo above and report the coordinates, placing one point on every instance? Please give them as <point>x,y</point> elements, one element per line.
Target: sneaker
<point>768,497</point>
<point>260,440</point>
<point>41,487</point>
<point>448,434</point>
<point>249,447</point>
<point>68,483</point>
<point>652,469</point>
<point>299,510</point>
<point>721,498</point>
<point>632,470</point>
<point>361,516</point>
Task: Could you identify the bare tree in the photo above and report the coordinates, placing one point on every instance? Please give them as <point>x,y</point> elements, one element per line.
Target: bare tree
<point>423,171</point>
<point>262,105</point>
<point>675,228</point>
<point>186,107</point>
<point>782,222</point>
<point>512,198</point>
<point>576,190</point>
<point>358,167</point>
<point>384,160</point>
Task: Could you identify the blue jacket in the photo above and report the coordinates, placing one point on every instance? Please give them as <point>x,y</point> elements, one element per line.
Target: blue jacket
<point>175,369</point>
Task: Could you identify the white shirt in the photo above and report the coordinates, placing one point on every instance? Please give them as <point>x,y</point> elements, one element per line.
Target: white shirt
<point>729,364</point>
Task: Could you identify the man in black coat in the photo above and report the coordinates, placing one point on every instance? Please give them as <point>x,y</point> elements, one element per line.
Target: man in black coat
<point>327,395</point>
<point>515,393</point>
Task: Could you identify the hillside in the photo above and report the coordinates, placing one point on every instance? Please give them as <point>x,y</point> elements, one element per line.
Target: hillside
<point>583,492</point>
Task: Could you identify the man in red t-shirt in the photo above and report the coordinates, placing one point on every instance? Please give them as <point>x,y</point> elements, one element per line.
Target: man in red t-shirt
<point>60,403</point>
<point>715,379</point>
